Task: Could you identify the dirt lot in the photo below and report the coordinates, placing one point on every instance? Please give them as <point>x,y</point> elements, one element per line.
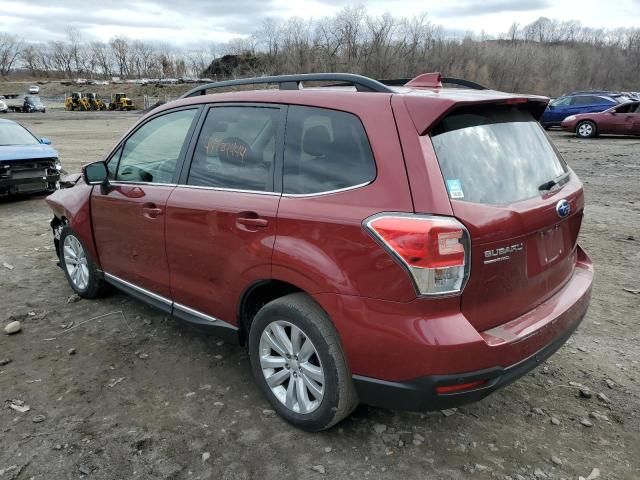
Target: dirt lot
<point>145,397</point>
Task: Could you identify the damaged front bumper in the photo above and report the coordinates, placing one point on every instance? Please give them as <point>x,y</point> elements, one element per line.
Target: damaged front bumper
<point>29,176</point>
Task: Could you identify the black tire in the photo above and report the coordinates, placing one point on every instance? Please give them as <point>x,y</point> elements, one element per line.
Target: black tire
<point>339,398</point>
<point>95,285</point>
<point>586,129</point>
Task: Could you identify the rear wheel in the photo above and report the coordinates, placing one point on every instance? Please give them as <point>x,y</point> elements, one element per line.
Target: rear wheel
<point>297,359</point>
<point>80,270</point>
<point>586,129</point>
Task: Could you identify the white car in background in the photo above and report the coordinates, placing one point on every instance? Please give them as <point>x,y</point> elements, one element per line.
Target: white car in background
<point>3,106</point>
<point>34,89</point>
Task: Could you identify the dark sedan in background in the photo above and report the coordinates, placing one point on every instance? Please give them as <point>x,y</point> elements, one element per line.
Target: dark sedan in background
<point>620,120</point>
<point>28,164</point>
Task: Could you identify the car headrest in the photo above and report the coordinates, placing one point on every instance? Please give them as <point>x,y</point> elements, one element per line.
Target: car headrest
<point>316,141</point>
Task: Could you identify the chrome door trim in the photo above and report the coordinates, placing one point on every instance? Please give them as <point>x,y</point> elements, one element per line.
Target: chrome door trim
<point>128,182</point>
<point>327,192</point>
<point>196,313</point>
<point>222,189</point>
<point>144,291</point>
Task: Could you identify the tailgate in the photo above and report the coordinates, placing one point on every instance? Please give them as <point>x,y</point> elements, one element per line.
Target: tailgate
<point>520,202</point>
<point>520,254</point>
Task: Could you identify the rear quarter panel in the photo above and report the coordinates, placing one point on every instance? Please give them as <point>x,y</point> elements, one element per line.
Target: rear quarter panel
<point>321,245</point>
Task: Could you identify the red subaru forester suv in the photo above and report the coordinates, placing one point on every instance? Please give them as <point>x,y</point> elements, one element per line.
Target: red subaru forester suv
<point>412,247</point>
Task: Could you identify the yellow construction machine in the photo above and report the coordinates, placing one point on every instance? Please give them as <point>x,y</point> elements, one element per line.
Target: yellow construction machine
<point>120,101</point>
<point>77,102</point>
<point>95,102</point>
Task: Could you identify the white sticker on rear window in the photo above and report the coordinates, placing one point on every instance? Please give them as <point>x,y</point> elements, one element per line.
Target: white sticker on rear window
<point>455,188</point>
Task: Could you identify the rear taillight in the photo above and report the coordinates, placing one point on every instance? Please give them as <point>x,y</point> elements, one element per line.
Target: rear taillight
<point>434,250</point>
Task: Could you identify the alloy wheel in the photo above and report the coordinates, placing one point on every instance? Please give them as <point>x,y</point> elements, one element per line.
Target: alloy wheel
<point>291,367</point>
<point>585,129</point>
<point>75,261</point>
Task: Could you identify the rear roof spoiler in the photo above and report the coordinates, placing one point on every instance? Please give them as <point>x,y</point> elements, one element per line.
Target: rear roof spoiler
<point>426,112</point>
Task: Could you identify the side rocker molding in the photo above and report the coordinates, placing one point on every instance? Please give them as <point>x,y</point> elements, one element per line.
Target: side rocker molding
<point>201,320</point>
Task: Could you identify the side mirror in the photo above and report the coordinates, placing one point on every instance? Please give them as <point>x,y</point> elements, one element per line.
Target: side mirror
<point>45,141</point>
<point>97,174</point>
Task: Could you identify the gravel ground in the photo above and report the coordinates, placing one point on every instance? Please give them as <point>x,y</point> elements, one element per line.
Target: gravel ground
<point>117,390</point>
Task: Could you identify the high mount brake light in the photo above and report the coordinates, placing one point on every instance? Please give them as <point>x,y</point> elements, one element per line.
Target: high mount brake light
<point>434,250</point>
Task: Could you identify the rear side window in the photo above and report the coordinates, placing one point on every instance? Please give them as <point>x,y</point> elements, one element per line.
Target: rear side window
<point>589,100</point>
<point>236,149</point>
<point>325,150</point>
<point>494,155</point>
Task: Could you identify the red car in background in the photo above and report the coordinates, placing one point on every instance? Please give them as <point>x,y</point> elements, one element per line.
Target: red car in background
<point>620,120</point>
<point>413,248</point>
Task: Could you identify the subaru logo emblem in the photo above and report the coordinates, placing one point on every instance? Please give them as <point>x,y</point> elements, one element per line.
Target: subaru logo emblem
<point>563,208</point>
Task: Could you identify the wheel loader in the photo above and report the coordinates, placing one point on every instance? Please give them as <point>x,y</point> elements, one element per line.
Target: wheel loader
<point>95,102</point>
<point>77,102</point>
<point>120,101</point>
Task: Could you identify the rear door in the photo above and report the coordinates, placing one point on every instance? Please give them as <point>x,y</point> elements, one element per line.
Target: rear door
<point>500,167</point>
<point>129,220</point>
<point>221,219</point>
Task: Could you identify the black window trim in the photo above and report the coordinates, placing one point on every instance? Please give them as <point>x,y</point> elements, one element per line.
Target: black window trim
<point>181,159</point>
<point>276,182</point>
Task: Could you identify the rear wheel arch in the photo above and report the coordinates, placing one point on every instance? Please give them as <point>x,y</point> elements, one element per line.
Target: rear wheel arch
<point>255,297</point>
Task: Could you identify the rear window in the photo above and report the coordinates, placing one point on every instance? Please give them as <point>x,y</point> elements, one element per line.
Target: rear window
<point>495,155</point>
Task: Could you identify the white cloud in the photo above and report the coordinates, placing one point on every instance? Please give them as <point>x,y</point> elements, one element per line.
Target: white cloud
<point>188,22</point>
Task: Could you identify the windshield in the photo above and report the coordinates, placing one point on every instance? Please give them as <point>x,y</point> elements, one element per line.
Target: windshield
<point>495,155</point>
<point>33,99</point>
<point>14,134</point>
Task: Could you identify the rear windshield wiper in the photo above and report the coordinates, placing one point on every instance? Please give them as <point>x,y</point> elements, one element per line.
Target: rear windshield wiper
<point>552,183</point>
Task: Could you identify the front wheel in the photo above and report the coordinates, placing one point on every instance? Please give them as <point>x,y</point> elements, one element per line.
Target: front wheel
<point>80,270</point>
<point>298,361</point>
<point>586,129</point>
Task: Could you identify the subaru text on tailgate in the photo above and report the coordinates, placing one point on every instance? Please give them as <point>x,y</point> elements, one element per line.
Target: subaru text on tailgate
<point>411,247</point>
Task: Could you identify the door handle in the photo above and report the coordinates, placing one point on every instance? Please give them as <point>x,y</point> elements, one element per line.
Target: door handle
<point>151,210</point>
<point>252,222</point>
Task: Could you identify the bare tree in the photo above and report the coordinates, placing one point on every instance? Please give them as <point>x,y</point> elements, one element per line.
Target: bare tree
<point>120,48</point>
<point>10,49</point>
<point>103,58</point>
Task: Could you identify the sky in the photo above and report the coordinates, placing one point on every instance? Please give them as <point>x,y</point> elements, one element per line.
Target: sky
<point>189,22</point>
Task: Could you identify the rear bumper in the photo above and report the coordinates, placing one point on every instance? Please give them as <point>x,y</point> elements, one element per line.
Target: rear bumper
<point>399,355</point>
<point>421,395</point>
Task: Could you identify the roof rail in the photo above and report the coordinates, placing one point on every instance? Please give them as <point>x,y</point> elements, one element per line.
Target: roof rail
<point>399,82</point>
<point>292,82</point>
